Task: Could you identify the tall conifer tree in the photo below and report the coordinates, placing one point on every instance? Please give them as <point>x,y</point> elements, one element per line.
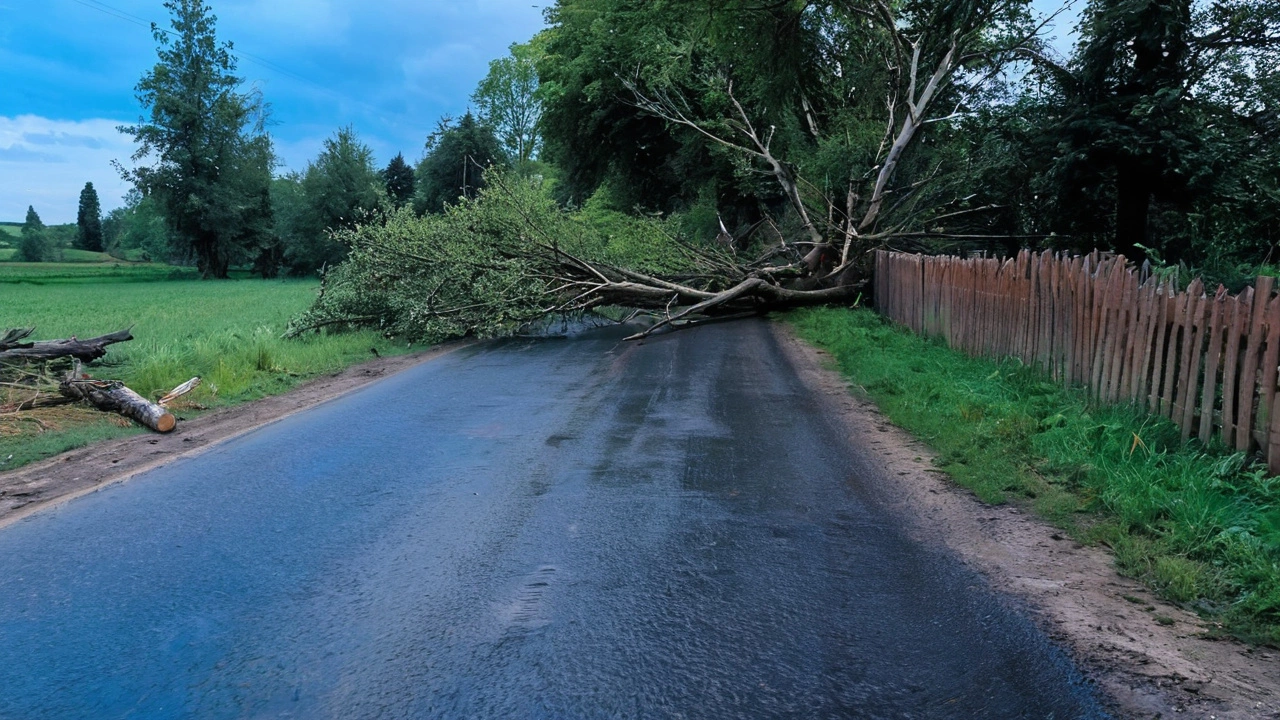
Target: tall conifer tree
<point>399,179</point>
<point>89,220</point>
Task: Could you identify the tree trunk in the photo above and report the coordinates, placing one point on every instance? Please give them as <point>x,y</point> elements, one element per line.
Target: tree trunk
<point>83,350</point>
<point>1133,205</point>
<point>115,397</point>
<point>210,259</point>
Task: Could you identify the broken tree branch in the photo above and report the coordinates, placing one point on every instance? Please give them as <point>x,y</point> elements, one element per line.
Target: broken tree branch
<point>82,350</point>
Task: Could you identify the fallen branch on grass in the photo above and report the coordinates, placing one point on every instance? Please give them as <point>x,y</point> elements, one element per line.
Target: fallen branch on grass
<point>12,349</point>
<point>13,338</point>
<point>33,378</point>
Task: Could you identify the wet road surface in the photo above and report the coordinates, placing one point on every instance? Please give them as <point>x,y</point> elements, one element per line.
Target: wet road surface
<point>571,528</point>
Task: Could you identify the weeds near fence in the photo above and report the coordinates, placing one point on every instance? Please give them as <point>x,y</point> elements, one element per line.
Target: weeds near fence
<point>1199,524</point>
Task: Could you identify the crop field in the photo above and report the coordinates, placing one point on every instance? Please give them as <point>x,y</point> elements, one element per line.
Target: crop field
<point>228,333</point>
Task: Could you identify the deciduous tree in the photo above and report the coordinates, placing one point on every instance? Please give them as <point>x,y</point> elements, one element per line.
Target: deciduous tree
<point>206,156</point>
<point>339,188</point>
<point>508,100</point>
<point>33,246</point>
<point>1165,133</point>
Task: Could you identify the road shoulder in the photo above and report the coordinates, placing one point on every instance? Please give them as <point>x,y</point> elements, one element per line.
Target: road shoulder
<point>1146,668</point>
<point>40,485</point>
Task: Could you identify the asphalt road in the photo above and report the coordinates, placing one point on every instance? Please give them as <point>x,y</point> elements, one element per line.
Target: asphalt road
<point>571,528</point>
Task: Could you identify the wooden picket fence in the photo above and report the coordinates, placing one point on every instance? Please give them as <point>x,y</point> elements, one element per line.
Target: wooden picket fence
<point>1206,361</point>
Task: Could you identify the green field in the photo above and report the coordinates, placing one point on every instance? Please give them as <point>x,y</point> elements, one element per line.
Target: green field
<point>227,332</point>
<point>11,230</point>
<point>68,255</point>
<point>90,273</point>
<point>1201,525</point>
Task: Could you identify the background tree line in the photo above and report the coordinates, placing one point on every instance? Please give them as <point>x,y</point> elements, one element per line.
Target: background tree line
<point>206,187</point>
<point>1157,137</point>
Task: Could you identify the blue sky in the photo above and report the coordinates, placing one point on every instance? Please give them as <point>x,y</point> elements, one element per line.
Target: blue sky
<point>389,68</point>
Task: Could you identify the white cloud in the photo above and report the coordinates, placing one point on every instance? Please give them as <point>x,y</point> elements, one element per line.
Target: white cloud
<point>45,163</point>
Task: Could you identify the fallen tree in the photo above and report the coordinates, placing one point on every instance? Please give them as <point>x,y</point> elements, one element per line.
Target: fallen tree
<point>511,256</point>
<point>45,374</point>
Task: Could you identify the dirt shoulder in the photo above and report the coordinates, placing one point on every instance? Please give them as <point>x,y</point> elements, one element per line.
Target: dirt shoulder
<point>1148,667</point>
<point>90,468</point>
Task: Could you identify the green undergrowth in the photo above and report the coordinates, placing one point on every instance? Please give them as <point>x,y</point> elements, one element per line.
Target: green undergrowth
<point>227,332</point>
<point>1200,525</point>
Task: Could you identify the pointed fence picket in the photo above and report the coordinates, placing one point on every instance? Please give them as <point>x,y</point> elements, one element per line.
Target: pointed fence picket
<point>1208,361</point>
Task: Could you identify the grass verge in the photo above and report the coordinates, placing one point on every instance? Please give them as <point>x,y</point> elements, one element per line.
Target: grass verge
<point>227,332</point>
<point>1200,525</point>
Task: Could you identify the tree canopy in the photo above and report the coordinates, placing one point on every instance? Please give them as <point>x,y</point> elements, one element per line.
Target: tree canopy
<point>340,188</point>
<point>508,99</point>
<point>209,156</point>
<point>457,154</point>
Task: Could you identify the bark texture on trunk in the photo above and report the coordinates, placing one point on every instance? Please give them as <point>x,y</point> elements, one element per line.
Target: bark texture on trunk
<point>115,397</point>
<point>82,350</point>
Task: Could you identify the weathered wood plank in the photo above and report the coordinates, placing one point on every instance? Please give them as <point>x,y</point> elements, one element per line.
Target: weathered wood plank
<point>1269,375</point>
<point>1188,385</point>
<point>1213,360</point>
<point>1178,317</point>
<point>1231,364</point>
<point>1249,363</point>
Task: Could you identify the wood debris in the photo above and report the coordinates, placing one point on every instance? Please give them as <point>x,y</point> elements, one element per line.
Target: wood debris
<point>43,374</point>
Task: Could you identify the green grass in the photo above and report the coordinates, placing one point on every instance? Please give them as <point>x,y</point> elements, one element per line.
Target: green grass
<point>11,230</point>
<point>90,273</point>
<point>227,332</point>
<point>69,255</point>
<point>72,255</point>
<point>1199,525</point>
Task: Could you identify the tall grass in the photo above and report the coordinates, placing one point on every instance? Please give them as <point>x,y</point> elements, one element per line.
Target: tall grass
<point>227,332</point>
<point>1200,525</point>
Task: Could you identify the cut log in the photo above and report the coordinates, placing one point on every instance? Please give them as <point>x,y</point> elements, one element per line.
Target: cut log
<point>113,396</point>
<point>83,350</point>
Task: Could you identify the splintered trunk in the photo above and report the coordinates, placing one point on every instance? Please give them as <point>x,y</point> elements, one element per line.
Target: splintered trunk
<point>115,397</point>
